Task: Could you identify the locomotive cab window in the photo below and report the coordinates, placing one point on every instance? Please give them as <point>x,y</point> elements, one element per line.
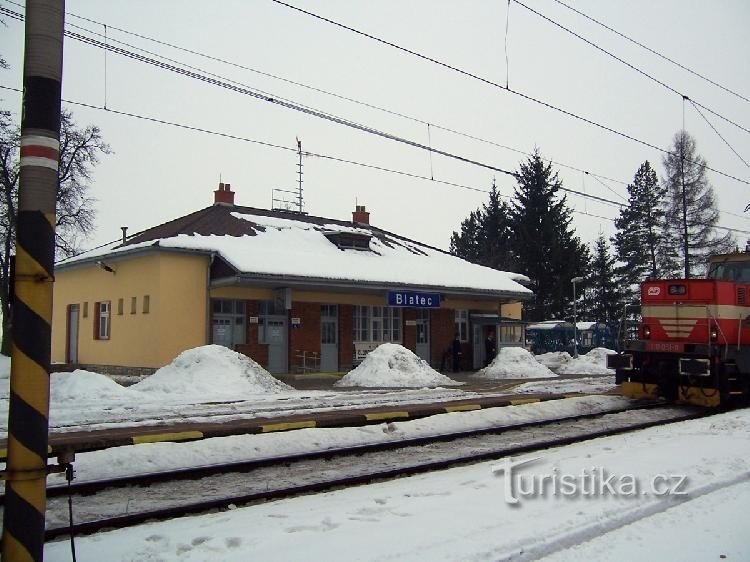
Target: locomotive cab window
<point>677,289</point>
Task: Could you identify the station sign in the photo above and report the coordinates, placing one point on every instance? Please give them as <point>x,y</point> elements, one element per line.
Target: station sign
<point>413,299</point>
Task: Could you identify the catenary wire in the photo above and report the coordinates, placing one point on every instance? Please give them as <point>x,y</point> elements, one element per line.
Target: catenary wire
<point>717,132</point>
<point>494,84</point>
<point>629,65</point>
<point>652,51</point>
<point>322,156</point>
<point>310,111</point>
<point>332,158</point>
<point>315,89</point>
<point>160,64</point>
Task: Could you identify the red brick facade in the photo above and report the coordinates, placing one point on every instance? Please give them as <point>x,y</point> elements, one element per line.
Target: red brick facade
<point>306,336</point>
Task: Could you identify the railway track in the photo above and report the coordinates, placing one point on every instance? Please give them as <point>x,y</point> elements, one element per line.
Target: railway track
<point>128,501</point>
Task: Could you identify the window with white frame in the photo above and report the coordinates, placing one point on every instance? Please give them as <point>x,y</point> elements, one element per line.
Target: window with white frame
<point>103,311</point>
<point>462,325</point>
<point>377,324</point>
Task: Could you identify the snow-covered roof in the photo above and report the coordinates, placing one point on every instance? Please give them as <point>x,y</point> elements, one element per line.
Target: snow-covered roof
<point>258,242</point>
<point>549,325</point>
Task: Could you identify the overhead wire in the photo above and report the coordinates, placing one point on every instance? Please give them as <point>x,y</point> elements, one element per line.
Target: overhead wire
<point>494,84</point>
<point>238,88</point>
<point>628,64</point>
<point>322,156</point>
<point>312,88</point>
<point>652,51</point>
<point>276,99</point>
<point>717,132</point>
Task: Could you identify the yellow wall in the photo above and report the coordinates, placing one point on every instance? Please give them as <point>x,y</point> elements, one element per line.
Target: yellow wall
<point>511,310</point>
<point>176,285</point>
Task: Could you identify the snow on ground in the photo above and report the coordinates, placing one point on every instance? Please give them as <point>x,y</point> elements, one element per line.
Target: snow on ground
<point>515,363</point>
<point>212,371</point>
<point>614,509</point>
<point>392,365</point>
<point>145,458</point>
<point>592,363</point>
<point>553,360</point>
<point>82,386</point>
<point>596,384</point>
<point>205,385</point>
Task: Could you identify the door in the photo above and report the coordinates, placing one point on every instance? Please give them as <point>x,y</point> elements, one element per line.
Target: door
<point>72,348</point>
<point>278,349</point>
<point>329,338</point>
<point>478,343</point>
<point>221,333</point>
<point>423,333</point>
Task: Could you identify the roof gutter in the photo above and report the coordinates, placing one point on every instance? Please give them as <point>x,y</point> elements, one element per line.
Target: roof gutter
<point>347,284</point>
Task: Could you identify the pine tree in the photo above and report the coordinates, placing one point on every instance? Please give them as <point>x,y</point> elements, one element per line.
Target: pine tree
<point>605,287</point>
<point>546,249</point>
<point>691,213</point>
<point>465,244</point>
<point>485,234</point>
<point>640,228</point>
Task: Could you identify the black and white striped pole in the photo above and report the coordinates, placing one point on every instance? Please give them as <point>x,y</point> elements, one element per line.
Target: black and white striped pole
<point>26,468</point>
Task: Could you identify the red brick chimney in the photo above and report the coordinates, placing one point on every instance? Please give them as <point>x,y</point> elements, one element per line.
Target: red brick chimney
<point>360,215</point>
<point>224,195</point>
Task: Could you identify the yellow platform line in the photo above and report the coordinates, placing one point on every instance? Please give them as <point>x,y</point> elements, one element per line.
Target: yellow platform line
<point>521,401</point>
<point>386,415</point>
<point>286,426</point>
<point>463,408</point>
<point>159,437</point>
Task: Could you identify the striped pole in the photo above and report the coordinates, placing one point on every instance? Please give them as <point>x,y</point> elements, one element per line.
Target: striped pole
<point>25,490</point>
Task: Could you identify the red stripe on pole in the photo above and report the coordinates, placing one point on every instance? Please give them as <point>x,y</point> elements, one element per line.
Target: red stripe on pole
<point>39,151</point>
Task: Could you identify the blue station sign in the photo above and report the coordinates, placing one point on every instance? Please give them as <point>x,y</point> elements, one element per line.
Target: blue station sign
<point>413,299</point>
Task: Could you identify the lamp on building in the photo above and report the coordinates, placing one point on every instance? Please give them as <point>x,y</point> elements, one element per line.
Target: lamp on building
<point>106,267</point>
<point>575,321</point>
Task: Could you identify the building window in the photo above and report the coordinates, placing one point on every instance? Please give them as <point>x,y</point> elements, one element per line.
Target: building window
<point>102,320</point>
<point>146,304</point>
<point>267,309</point>
<point>228,321</point>
<point>377,324</point>
<point>133,305</point>
<point>85,310</point>
<point>120,306</point>
<point>462,325</point>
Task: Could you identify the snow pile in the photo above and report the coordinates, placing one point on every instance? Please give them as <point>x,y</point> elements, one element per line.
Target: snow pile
<point>211,371</point>
<point>392,365</point>
<point>554,359</point>
<point>515,363</point>
<point>83,385</point>
<point>593,363</point>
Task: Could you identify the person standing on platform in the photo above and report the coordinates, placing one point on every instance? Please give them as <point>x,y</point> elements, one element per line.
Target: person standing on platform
<point>456,352</point>
<point>489,348</point>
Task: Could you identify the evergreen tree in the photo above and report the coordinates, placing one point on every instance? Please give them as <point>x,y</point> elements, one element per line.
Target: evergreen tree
<point>546,249</point>
<point>640,229</point>
<point>495,233</point>
<point>691,213</point>
<point>604,284</point>
<point>465,244</point>
<point>485,234</point>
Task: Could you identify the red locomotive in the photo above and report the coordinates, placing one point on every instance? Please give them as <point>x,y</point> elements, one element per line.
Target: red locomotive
<point>693,343</point>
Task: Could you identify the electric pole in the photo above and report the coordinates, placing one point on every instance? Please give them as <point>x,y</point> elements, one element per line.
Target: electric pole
<point>28,411</point>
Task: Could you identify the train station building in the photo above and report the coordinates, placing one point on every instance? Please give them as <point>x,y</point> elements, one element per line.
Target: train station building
<point>290,290</point>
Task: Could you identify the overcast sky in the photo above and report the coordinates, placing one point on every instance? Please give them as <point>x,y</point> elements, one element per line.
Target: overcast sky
<point>158,172</point>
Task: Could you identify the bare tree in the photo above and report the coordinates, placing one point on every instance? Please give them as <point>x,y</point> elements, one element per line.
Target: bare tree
<point>80,149</point>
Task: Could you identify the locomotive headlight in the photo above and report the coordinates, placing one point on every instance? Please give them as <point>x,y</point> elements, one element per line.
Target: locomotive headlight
<point>646,331</point>
<point>714,333</point>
